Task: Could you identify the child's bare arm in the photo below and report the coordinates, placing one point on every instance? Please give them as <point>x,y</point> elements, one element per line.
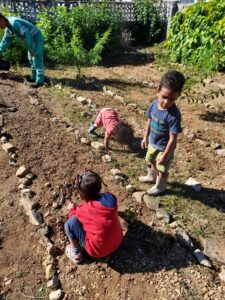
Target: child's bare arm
<point>106,141</point>
<point>144,142</point>
<point>169,147</point>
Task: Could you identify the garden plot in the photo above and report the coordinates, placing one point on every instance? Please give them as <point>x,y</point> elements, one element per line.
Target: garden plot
<point>46,128</point>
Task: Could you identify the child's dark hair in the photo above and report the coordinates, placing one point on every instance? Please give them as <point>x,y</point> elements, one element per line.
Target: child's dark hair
<point>173,80</point>
<point>89,185</point>
<point>124,133</point>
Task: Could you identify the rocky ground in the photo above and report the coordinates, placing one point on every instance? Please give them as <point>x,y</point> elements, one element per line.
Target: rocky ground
<point>45,131</point>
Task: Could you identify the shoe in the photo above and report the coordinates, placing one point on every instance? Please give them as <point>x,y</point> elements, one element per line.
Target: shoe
<point>30,79</point>
<point>37,85</point>
<point>91,131</point>
<point>150,177</point>
<point>73,255</point>
<point>159,187</point>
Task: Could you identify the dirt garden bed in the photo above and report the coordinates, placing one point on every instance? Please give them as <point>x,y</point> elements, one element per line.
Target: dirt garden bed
<point>46,126</point>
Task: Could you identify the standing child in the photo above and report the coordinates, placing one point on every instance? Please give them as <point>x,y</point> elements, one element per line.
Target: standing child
<point>93,225</point>
<point>114,127</point>
<point>161,131</point>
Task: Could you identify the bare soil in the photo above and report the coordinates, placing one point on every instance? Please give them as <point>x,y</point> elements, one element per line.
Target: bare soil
<point>150,264</point>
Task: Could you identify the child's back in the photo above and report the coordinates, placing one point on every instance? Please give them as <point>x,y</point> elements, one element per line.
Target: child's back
<point>94,224</point>
<point>101,224</point>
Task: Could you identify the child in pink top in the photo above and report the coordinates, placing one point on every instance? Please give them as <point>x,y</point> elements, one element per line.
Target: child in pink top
<point>114,127</point>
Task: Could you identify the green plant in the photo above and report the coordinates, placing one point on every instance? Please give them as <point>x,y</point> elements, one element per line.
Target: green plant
<point>197,36</point>
<point>71,34</point>
<point>84,57</point>
<point>148,24</point>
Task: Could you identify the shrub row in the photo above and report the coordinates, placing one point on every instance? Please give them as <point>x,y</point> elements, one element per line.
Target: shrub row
<point>197,36</point>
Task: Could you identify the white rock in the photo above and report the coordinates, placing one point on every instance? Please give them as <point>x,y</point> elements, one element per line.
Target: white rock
<point>183,237</point>
<point>35,218</point>
<point>27,204</point>
<point>82,100</point>
<point>201,258</point>
<point>110,93</point>
<point>119,98</point>
<point>4,139</point>
<point>77,134</point>
<point>97,145</point>
<point>85,141</point>
<point>56,295</point>
<point>132,105</point>
<point>115,172</point>
<point>130,188</point>
<point>51,249</point>
<point>138,196</point>
<point>33,101</point>
<point>22,171</point>
<point>53,283</point>
<point>222,273</point>
<point>48,261</point>
<point>221,152</point>
<point>50,271</point>
<point>194,184</point>
<point>7,147</point>
<point>106,158</point>
<point>47,184</point>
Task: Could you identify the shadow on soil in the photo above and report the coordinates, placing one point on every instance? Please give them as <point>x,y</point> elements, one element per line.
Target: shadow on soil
<point>145,250</point>
<point>209,197</point>
<point>215,117</point>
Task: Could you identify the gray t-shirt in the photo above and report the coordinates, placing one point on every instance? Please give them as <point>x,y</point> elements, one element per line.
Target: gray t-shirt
<point>163,122</point>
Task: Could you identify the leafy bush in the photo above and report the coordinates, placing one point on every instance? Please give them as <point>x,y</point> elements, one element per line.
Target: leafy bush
<point>91,21</point>
<point>148,25</point>
<point>16,51</point>
<point>85,58</point>
<point>197,36</point>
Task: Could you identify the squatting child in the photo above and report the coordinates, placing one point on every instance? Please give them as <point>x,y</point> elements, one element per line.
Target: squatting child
<point>120,130</point>
<point>161,130</point>
<point>93,225</point>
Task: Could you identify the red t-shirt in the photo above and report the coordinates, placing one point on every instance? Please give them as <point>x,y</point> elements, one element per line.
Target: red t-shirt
<point>101,224</point>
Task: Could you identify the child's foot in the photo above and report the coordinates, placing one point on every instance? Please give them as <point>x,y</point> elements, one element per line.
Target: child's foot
<point>74,254</point>
<point>91,131</point>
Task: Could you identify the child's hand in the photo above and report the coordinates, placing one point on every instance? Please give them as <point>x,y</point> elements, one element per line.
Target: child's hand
<point>161,160</point>
<point>144,143</point>
<point>70,205</point>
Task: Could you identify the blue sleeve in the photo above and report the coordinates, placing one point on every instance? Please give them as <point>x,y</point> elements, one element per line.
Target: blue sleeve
<point>175,124</point>
<point>108,200</point>
<point>148,112</point>
<point>6,40</point>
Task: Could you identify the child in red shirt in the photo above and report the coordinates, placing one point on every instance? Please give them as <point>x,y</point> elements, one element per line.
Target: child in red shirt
<point>93,225</point>
<point>108,119</point>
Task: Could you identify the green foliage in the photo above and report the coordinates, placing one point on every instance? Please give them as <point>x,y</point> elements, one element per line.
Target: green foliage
<point>197,36</point>
<point>16,51</point>
<point>148,25</point>
<point>85,58</point>
<point>71,33</point>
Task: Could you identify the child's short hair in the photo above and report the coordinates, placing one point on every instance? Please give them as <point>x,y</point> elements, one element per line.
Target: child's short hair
<point>89,185</point>
<point>172,80</point>
<point>124,133</point>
